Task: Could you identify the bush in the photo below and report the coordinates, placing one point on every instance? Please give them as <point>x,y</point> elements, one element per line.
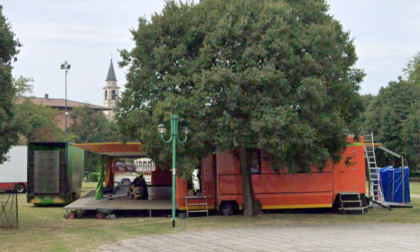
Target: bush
<point>94,177</point>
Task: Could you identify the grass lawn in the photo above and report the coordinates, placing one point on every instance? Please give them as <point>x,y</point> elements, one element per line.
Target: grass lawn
<point>45,229</point>
<point>415,187</point>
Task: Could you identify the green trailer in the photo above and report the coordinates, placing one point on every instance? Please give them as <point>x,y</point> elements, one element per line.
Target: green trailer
<point>55,173</point>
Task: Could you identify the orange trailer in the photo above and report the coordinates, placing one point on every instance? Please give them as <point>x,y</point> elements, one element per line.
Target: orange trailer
<point>221,182</point>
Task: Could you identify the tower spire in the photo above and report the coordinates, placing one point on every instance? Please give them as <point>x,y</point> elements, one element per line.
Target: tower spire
<point>111,73</point>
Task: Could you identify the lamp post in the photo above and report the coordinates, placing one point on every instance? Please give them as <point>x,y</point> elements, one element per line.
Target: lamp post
<point>174,139</point>
<point>66,67</point>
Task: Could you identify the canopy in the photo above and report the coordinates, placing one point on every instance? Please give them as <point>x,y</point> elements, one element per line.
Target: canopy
<point>129,150</point>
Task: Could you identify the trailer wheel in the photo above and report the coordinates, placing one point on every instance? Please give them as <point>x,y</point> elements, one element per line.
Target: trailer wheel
<point>228,207</point>
<point>20,188</point>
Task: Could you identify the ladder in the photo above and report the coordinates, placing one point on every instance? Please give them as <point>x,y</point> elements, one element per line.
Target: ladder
<point>375,185</point>
<point>196,204</point>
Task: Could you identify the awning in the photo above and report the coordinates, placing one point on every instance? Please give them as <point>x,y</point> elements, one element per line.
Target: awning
<point>133,150</point>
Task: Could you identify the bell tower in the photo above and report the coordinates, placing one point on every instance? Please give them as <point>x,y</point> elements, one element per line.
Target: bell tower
<point>111,92</point>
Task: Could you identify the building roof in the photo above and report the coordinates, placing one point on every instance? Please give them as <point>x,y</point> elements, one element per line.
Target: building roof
<point>111,73</point>
<point>133,150</point>
<point>60,103</point>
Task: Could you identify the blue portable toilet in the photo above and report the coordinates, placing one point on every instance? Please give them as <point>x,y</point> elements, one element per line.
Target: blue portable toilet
<point>391,181</point>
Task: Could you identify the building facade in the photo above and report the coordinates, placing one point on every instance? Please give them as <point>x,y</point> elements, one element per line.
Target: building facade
<point>59,105</point>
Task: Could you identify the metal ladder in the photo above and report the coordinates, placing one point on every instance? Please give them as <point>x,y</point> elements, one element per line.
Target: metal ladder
<point>351,202</point>
<point>375,185</point>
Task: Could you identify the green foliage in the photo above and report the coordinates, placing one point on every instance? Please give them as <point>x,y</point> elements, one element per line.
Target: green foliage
<point>22,85</point>
<point>276,75</point>
<point>94,177</point>
<point>91,126</point>
<point>394,116</point>
<point>8,50</point>
<point>412,70</point>
<point>37,122</point>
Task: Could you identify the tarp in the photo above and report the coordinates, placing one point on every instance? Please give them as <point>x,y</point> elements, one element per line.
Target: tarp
<point>391,181</point>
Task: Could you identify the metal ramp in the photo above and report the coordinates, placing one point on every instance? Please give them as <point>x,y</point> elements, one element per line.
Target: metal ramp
<point>375,186</point>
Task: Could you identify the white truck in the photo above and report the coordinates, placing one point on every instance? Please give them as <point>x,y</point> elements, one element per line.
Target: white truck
<point>13,172</point>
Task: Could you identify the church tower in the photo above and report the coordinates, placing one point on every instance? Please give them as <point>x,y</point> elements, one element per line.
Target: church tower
<point>111,92</point>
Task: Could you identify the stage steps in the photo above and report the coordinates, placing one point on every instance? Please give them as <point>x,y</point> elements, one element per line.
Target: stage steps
<point>351,202</point>
<point>196,204</point>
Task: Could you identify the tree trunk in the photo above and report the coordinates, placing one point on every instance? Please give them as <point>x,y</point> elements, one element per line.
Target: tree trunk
<point>250,205</point>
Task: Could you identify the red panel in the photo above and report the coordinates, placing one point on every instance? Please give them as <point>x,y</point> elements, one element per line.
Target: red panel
<point>290,200</point>
<point>229,184</point>
<point>161,177</point>
<point>295,200</point>
<point>237,198</point>
<point>227,163</point>
<point>111,147</point>
<point>207,176</point>
<point>290,183</point>
<point>181,191</point>
<point>349,173</point>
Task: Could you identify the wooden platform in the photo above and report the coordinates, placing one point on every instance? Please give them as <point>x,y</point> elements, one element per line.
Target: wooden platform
<point>88,202</point>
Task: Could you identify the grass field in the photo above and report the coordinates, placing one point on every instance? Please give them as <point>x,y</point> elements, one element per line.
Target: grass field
<point>45,229</point>
<point>415,187</point>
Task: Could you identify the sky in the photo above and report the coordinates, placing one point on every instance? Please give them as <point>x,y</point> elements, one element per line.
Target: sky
<point>87,33</point>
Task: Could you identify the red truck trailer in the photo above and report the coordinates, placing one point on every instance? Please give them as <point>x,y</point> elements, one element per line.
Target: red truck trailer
<point>222,187</point>
<point>13,171</point>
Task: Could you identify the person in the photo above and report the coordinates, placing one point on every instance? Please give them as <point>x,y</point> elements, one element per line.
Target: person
<point>140,183</point>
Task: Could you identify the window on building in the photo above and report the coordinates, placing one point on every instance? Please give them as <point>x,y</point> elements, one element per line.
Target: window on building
<point>113,95</point>
<point>106,94</point>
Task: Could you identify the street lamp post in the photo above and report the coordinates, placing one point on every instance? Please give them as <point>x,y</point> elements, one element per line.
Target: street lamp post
<point>174,138</point>
<point>66,67</point>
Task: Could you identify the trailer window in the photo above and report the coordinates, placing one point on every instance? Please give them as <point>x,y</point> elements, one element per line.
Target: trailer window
<point>255,162</point>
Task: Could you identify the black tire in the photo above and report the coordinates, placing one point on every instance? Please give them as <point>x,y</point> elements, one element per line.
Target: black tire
<point>227,208</point>
<point>20,188</point>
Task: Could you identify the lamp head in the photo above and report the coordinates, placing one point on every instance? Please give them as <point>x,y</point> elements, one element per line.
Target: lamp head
<point>63,66</point>
<point>186,130</point>
<point>161,129</point>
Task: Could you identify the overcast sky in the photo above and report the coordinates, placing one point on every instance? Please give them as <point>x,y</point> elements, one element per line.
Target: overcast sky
<point>86,32</point>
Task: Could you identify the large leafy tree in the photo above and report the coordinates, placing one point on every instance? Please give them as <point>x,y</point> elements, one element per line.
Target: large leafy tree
<point>33,122</point>
<point>90,126</point>
<point>8,50</point>
<point>244,74</point>
<point>393,116</point>
<point>36,123</point>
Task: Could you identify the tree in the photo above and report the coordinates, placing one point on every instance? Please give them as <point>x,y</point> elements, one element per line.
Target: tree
<point>393,115</point>
<point>90,126</point>
<point>22,86</point>
<point>36,123</point>
<point>412,70</point>
<point>244,74</point>
<point>9,46</point>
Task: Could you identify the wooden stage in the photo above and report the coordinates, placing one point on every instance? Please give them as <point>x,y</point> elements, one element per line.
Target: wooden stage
<point>88,202</point>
